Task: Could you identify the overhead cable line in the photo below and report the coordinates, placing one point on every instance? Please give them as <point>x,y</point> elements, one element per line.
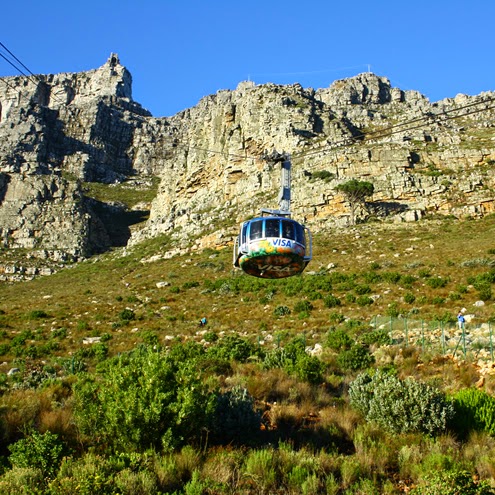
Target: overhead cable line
<point>3,46</point>
<point>396,128</point>
<point>37,79</point>
<point>416,123</point>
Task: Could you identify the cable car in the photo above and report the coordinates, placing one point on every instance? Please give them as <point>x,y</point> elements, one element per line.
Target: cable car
<point>274,246</point>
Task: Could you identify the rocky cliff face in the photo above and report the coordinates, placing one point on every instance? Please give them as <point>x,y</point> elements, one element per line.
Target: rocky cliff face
<point>441,162</point>
<point>62,132</point>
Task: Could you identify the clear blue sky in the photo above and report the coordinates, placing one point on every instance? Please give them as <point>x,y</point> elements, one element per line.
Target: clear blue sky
<point>179,51</point>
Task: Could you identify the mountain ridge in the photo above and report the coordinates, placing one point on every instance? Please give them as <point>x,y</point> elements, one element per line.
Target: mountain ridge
<point>63,133</point>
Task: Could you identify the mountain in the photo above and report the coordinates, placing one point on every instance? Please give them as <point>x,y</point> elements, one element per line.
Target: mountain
<point>80,161</point>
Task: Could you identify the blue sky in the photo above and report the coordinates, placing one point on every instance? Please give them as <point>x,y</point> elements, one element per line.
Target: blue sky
<point>180,51</point>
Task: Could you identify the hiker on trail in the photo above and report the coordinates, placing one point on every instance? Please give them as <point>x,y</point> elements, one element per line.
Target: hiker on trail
<point>461,320</point>
<point>202,322</point>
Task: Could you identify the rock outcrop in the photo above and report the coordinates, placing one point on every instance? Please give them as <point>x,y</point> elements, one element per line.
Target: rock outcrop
<point>62,132</point>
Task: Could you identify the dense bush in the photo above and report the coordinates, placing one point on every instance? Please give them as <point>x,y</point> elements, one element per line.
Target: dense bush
<point>409,298</point>
<point>233,347</point>
<point>400,406</point>
<point>437,282</point>
<point>144,399</point>
<point>303,306</point>
<point>40,451</point>
<point>452,482</point>
<point>281,311</point>
<point>294,360</point>
<point>474,410</point>
<point>235,419</point>
<point>357,357</point>
<point>339,339</point>
<point>364,301</point>
<point>379,336</point>
<point>331,301</point>
<point>127,315</point>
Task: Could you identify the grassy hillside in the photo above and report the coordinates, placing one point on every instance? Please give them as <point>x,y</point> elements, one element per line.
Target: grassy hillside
<point>362,283</point>
<point>425,270</point>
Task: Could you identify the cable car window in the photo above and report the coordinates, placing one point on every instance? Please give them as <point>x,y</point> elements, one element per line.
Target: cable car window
<point>256,229</point>
<point>244,233</point>
<point>288,231</point>
<point>272,228</point>
<point>300,234</point>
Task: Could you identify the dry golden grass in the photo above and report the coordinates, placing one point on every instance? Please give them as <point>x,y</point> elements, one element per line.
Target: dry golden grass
<point>345,418</point>
<point>224,466</point>
<point>479,451</point>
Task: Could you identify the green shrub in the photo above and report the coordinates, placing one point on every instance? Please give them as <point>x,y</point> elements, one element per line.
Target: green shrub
<point>451,482</point>
<point>455,296</point>
<point>350,298</point>
<point>144,399</point>
<point>308,368</point>
<point>392,277</point>
<point>59,333</point>
<point>195,486</point>
<point>143,481</point>
<point>364,301</point>
<point>339,339</point>
<point>331,301</point>
<point>235,419</point>
<point>281,311</point>
<point>379,336</point>
<point>355,358</point>
<point>323,175</point>
<point>336,317</point>
<point>409,298</point>
<point>20,340</point>
<point>88,475</point>
<point>190,285</point>
<point>393,310</point>
<point>303,306</point>
<point>400,406</point>
<point>127,315</point>
<point>22,481</point>
<point>318,283</point>
<point>437,282</point>
<point>37,314</point>
<point>437,300</point>
<point>211,336</point>
<point>484,290</point>
<point>407,280</point>
<point>233,347</point>
<point>353,324</point>
<point>314,295</point>
<point>261,467</point>
<point>361,290</point>
<point>150,338</point>
<point>100,351</point>
<point>295,361</point>
<point>40,451</point>
<point>371,277</point>
<point>474,410</point>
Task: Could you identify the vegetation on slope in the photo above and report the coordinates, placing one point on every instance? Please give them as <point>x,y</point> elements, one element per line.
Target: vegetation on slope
<point>118,390</point>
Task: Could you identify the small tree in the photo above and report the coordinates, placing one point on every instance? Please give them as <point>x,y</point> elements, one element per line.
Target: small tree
<point>356,192</point>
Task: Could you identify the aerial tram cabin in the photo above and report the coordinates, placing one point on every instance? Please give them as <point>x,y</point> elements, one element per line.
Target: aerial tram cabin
<point>274,246</point>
